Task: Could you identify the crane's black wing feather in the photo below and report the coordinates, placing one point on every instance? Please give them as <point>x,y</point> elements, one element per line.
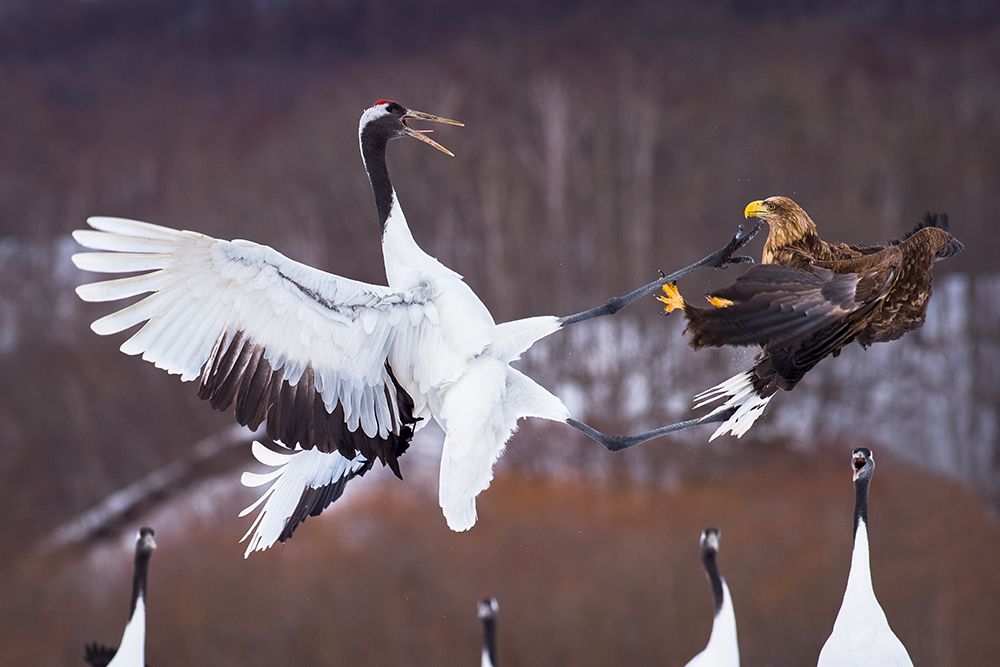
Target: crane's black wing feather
<point>99,655</point>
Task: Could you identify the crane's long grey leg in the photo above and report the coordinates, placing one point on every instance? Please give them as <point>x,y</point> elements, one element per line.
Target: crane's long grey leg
<point>616,443</point>
<point>718,259</point>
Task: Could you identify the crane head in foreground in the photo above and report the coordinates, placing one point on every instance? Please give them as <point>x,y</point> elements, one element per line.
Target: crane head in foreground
<point>340,373</point>
<point>806,301</point>
<point>863,463</point>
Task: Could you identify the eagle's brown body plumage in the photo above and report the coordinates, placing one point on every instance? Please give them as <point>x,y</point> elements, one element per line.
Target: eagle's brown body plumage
<point>908,263</point>
<point>809,298</point>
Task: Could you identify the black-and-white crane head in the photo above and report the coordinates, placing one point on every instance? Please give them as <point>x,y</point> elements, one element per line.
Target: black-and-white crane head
<point>488,608</point>
<point>145,541</point>
<point>863,463</point>
<point>710,540</point>
<point>385,120</point>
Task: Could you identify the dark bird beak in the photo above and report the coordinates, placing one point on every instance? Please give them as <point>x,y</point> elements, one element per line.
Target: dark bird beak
<point>753,209</point>
<point>422,134</point>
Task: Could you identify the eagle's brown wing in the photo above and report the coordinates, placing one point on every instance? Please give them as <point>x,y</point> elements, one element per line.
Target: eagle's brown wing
<point>783,362</point>
<point>905,306</point>
<point>939,220</point>
<point>782,365</point>
<point>773,305</point>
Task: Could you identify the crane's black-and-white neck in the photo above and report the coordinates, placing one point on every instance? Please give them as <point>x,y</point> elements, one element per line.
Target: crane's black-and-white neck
<point>132,648</point>
<point>709,551</point>
<point>144,549</point>
<point>374,137</point>
<point>722,649</point>
<point>488,609</point>
<point>859,582</point>
<point>403,257</point>
<point>861,634</point>
<point>861,485</point>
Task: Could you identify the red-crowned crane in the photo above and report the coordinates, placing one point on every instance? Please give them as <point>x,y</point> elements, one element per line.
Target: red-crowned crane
<point>488,610</point>
<point>131,652</point>
<point>723,648</point>
<point>341,371</point>
<point>861,634</point>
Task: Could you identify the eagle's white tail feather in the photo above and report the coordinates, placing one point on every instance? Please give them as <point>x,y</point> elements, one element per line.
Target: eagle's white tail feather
<point>295,471</point>
<point>739,394</point>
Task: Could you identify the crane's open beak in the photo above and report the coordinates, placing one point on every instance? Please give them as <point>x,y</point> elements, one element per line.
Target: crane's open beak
<point>422,134</point>
<point>858,464</point>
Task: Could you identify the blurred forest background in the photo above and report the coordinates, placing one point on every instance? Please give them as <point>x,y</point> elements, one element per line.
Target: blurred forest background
<point>604,140</point>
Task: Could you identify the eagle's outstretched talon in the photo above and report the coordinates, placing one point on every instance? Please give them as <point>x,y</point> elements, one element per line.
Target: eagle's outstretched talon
<point>672,299</point>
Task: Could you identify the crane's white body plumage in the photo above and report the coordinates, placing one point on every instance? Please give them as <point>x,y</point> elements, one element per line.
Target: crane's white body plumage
<point>132,649</point>
<point>861,634</point>
<point>723,648</point>
<point>440,341</point>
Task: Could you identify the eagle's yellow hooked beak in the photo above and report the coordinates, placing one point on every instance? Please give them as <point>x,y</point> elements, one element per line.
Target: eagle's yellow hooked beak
<point>753,209</point>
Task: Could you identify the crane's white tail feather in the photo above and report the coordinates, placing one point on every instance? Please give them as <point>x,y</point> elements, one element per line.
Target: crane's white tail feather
<point>481,412</point>
<point>295,473</point>
<point>512,339</point>
<point>739,393</point>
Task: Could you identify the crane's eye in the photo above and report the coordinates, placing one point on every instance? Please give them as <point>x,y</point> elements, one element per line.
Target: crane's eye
<point>394,108</point>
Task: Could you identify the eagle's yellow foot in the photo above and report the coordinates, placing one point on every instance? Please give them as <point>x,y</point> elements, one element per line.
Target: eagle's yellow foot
<point>718,301</point>
<point>672,299</point>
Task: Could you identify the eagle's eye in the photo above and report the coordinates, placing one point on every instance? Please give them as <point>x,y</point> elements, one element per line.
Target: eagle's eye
<point>770,206</point>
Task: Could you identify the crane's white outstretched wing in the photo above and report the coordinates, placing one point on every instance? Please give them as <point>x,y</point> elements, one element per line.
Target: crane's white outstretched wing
<point>304,482</point>
<point>304,350</point>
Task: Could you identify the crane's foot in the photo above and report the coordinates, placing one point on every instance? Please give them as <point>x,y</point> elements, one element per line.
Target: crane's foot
<point>718,259</point>
<point>718,301</point>
<point>671,299</point>
<point>726,256</point>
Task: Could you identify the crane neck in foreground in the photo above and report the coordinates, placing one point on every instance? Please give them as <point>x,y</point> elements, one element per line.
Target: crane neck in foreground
<point>723,644</point>
<point>132,648</point>
<point>708,561</point>
<point>489,642</point>
<point>139,577</point>
<point>859,581</point>
<point>861,506</point>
